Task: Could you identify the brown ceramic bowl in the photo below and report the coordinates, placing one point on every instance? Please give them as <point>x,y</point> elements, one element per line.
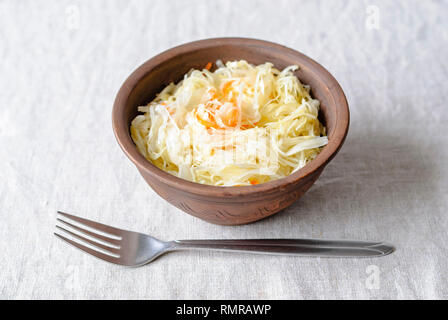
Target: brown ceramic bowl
<point>229,205</point>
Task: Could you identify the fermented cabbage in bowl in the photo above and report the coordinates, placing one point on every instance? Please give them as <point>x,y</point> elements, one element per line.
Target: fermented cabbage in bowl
<point>237,125</point>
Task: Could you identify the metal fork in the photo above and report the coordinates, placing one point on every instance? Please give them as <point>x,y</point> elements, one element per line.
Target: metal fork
<point>134,249</point>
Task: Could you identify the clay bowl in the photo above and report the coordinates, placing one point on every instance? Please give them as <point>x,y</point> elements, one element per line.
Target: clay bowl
<point>229,205</point>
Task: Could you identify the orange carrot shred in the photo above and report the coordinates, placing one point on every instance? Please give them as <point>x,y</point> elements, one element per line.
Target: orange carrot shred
<point>208,66</point>
<point>207,124</point>
<point>232,118</point>
<point>226,87</point>
<point>254,181</point>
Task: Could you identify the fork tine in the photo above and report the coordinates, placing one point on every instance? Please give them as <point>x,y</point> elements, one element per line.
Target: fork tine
<point>89,233</point>
<point>94,253</point>
<point>95,225</point>
<point>94,243</point>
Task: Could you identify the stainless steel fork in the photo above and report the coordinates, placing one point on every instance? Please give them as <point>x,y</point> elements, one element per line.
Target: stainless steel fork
<point>134,249</point>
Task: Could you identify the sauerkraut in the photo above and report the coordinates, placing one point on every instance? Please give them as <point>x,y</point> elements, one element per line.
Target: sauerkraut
<point>238,125</point>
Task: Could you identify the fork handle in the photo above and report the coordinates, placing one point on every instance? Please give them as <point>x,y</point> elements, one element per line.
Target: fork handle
<point>299,247</point>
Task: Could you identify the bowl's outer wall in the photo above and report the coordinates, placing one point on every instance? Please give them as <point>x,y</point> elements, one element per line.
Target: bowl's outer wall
<point>225,212</point>
<point>237,209</point>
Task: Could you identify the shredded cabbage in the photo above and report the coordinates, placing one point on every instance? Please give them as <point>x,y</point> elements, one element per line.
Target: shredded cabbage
<point>239,125</point>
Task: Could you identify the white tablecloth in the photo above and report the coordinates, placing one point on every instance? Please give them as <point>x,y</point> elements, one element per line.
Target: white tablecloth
<point>61,65</point>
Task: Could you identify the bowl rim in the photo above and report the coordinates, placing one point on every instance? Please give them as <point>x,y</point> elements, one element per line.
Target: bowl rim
<point>122,133</point>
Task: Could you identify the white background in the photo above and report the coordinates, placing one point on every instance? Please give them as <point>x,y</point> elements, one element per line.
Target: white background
<point>61,64</point>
